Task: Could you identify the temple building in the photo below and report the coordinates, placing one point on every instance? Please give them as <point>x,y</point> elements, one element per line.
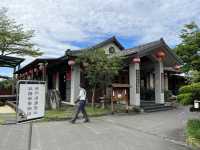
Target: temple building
<point>149,68</point>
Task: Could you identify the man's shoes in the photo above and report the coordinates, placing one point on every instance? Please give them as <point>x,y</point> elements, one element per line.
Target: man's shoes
<point>72,121</point>
<point>86,120</point>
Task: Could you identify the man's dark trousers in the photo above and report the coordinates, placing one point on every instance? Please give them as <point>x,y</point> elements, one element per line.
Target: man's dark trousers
<point>81,108</point>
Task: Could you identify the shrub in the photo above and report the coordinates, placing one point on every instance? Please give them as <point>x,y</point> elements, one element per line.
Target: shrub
<point>185,99</point>
<point>190,88</point>
<point>196,94</point>
<point>188,93</point>
<point>6,84</point>
<point>193,128</point>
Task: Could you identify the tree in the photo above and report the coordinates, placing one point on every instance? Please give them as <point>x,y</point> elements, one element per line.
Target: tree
<point>99,68</point>
<point>13,38</point>
<point>189,47</point>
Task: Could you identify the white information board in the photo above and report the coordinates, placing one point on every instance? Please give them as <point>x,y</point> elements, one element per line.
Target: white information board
<point>31,99</point>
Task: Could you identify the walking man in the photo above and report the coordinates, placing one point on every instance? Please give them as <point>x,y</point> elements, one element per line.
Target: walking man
<point>81,100</point>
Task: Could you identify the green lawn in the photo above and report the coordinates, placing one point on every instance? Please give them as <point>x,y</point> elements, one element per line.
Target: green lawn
<point>193,132</point>
<point>66,112</point>
<point>4,117</point>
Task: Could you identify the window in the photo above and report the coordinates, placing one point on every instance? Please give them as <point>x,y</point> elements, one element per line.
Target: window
<point>111,50</point>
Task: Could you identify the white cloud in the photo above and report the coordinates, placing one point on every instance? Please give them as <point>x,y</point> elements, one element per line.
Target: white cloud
<point>56,21</point>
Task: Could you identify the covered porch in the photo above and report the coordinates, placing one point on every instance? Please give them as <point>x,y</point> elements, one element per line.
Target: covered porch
<point>149,73</point>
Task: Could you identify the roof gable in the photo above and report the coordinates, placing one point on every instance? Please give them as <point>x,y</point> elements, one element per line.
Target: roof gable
<point>145,49</point>
<point>99,45</point>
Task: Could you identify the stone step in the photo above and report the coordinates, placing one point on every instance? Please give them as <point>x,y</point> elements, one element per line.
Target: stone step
<point>151,106</point>
<point>158,109</point>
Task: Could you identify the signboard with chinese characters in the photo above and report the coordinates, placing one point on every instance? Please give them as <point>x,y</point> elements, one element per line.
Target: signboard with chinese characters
<point>31,100</point>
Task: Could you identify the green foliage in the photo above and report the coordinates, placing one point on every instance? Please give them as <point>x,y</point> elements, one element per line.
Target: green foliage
<point>185,99</point>
<point>189,88</point>
<point>13,38</point>
<point>187,49</point>
<point>101,68</point>
<point>193,128</point>
<point>195,76</point>
<point>188,93</point>
<point>6,84</point>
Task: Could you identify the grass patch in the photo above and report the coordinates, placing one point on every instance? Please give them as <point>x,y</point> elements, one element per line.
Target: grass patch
<point>193,132</point>
<point>5,117</point>
<point>2,120</point>
<point>66,112</point>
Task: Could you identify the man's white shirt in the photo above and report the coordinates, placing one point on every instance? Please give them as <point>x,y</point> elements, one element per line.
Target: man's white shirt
<point>82,94</point>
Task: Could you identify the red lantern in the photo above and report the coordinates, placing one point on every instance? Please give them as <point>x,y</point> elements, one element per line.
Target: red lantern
<point>136,60</point>
<point>160,55</point>
<point>177,67</point>
<point>30,71</point>
<point>71,62</point>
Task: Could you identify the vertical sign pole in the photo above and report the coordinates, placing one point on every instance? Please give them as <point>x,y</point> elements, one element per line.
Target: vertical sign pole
<point>30,135</point>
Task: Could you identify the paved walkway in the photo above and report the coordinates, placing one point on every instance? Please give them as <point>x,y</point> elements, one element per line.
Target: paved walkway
<point>153,131</point>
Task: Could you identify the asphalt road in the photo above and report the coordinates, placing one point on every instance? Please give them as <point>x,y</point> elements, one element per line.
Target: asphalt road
<point>153,131</point>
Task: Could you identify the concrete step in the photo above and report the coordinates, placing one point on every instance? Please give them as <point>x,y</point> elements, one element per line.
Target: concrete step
<point>158,109</point>
<point>151,104</point>
<point>152,107</point>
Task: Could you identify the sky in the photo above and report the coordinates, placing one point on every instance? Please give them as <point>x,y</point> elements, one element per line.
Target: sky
<point>74,24</point>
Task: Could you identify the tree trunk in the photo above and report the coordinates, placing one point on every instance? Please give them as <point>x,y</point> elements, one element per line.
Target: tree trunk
<point>93,96</point>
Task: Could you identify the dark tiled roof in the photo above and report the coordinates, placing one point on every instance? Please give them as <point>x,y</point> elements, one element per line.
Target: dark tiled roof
<point>142,48</point>
<point>8,61</point>
<point>145,48</point>
<point>35,62</point>
<point>110,40</point>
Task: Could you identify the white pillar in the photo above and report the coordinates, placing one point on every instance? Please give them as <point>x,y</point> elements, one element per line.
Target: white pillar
<point>57,81</point>
<point>166,82</point>
<point>134,81</point>
<point>159,83</point>
<point>151,81</point>
<point>75,83</point>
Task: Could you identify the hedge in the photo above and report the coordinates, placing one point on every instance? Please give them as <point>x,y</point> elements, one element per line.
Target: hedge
<point>185,99</point>
<point>189,93</point>
<point>190,88</point>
